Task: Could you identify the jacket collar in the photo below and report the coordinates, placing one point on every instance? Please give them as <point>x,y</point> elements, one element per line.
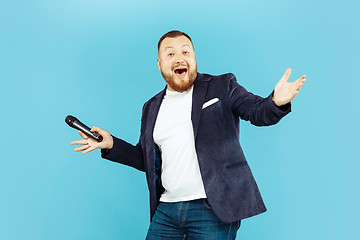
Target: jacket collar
<point>199,93</point>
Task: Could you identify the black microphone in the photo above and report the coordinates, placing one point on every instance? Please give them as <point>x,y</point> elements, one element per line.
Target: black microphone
<point>75,123</point>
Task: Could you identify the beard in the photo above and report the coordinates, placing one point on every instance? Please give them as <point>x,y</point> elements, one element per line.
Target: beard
<point>181,86</point>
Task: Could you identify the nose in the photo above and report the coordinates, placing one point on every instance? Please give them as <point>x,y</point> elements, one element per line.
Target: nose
<point>180,61</point>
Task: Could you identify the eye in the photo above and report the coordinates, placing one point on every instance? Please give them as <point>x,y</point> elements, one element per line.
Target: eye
<point>171,54</point>
<point>186,52</point>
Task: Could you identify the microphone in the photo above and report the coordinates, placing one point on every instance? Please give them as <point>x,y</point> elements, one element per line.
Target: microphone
<point>75,123</point>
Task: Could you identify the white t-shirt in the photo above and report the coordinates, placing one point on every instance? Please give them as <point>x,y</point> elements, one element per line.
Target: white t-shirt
<point>173,133</point>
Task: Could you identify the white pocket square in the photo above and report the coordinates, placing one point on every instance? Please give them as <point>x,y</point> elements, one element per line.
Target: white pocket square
<point>208,103</point>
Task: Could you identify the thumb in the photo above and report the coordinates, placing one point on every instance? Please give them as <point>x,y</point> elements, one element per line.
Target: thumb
<point>83,135</point>
<point>286,75</point>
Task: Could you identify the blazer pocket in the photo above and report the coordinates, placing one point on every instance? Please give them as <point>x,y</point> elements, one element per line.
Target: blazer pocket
<point>210,102</point>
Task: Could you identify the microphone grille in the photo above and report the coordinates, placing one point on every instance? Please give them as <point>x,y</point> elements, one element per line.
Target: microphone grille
<point>69,120</point>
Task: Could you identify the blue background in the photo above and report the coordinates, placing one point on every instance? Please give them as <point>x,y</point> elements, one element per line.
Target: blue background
<point>96,60</point>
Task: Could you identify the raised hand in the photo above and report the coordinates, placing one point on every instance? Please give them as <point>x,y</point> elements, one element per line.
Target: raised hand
<point>91,144</point>
<point>286,91</point>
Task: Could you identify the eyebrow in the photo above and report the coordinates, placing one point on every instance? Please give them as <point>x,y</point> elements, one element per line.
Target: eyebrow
<point>181,46</point>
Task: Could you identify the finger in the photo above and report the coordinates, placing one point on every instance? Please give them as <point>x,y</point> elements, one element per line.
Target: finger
<point>89,150</point>
<point>95,129</point>
<point>81,148</point>
<point>300,84</point>
<point>79,142</point>
<point>83,135</point>
<point>98,130</point>
<point>286,75</point>
<point>302,79</point>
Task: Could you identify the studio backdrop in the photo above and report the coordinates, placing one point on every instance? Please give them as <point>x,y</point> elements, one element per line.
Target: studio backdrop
<point>96,60</point>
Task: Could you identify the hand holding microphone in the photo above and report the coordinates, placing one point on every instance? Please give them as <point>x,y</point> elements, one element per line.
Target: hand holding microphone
<point>94,139</point>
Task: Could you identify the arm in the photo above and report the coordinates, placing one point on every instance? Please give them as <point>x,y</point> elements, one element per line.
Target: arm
<point>250,107</point>
<point>112,148</point>
<point>125,153</point>
<point>264,111</point>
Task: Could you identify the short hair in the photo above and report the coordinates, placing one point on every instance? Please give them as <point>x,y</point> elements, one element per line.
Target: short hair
<point>173,34</point>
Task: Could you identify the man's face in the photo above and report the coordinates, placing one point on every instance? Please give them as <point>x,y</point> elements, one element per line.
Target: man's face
<point>177,63</point>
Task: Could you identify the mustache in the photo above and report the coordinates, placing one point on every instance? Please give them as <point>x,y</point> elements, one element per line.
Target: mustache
<point>179,65</point>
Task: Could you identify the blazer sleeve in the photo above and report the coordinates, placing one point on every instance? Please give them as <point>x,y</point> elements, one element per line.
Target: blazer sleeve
<point>250,107</point>
<point>125,153</point>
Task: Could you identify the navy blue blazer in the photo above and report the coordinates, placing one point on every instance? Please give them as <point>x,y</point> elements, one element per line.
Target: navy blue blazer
<point>229,184</point>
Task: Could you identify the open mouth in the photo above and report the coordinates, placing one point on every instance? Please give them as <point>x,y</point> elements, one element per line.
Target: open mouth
<point>180,72</point>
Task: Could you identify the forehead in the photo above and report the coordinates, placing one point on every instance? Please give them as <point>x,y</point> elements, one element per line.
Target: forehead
<point>176,42</point>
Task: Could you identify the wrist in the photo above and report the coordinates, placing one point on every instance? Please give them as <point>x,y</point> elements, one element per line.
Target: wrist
<point>111,143</point>
<point>275,102</point>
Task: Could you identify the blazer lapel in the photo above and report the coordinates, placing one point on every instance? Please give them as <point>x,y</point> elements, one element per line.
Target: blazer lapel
<point>199,93</point>
<point>153,112</point>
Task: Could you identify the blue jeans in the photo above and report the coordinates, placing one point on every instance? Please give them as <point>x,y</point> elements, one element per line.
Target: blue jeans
<point>192,220</point>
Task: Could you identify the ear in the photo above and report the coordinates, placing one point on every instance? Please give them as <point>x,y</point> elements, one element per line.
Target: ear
<point>158,63</point>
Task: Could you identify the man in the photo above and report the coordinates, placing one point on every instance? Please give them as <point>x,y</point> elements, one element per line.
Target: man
<point>199,181</point>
